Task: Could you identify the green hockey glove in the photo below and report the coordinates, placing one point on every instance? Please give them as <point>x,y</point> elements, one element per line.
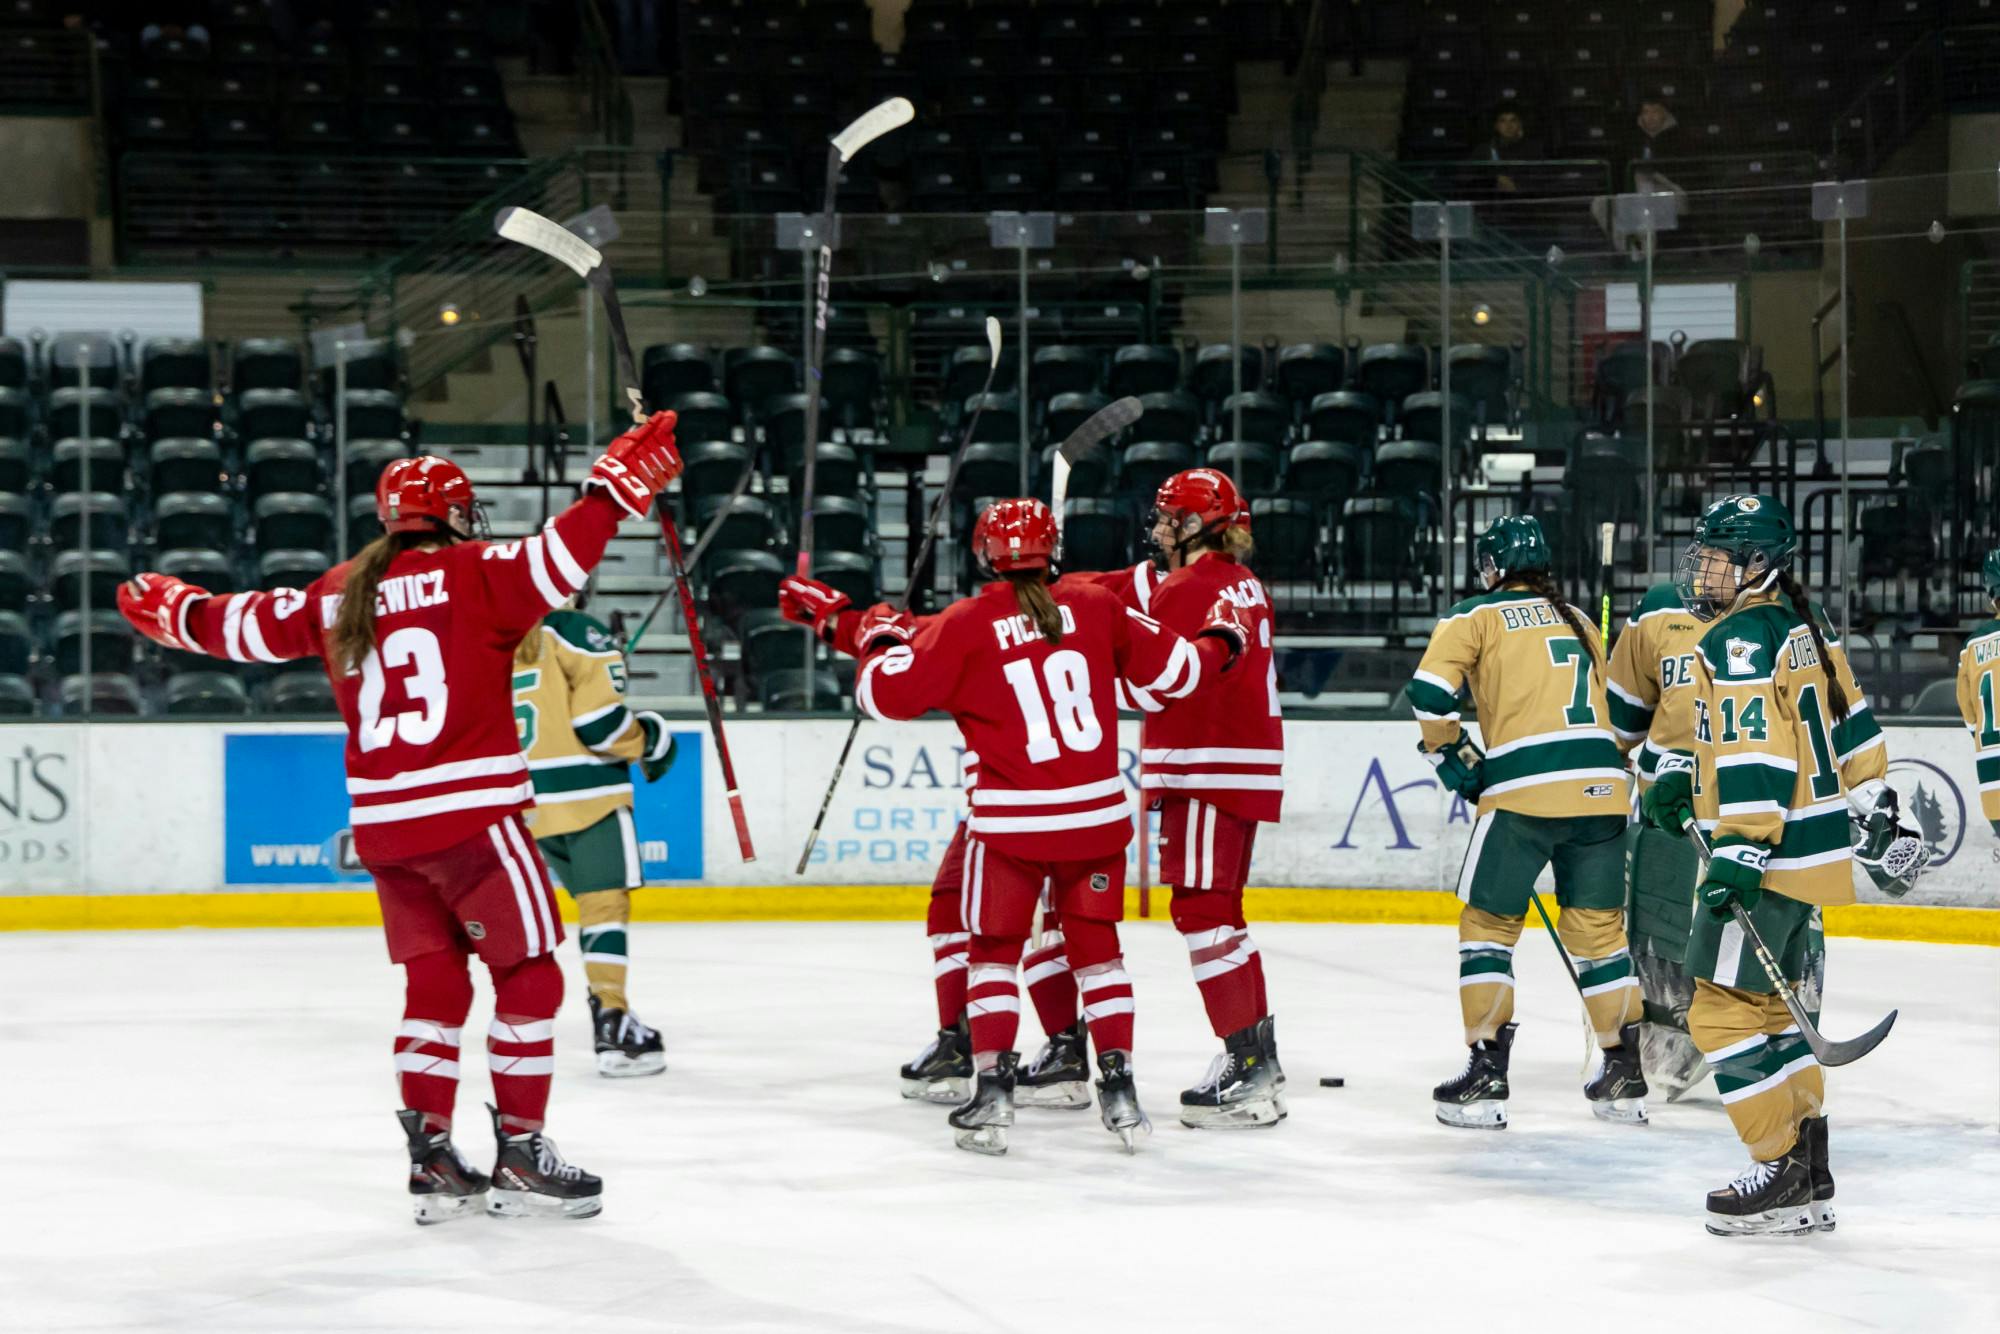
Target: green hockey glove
<point>658,756</point>
<point>1459,763</point>
<point>1669,803</point>
<point>1732,881</point>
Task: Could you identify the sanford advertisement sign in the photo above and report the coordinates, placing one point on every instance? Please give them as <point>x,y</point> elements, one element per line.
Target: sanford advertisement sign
<point>40,779</point>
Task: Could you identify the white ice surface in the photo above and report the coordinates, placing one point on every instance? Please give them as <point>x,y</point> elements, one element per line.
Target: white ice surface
<point>200,1138</point>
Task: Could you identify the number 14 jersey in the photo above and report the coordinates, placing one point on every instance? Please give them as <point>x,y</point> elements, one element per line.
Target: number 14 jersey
<point>1040,719</point>
<point>432,751</point>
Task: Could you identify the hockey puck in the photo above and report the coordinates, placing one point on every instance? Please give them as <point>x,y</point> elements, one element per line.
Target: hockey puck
<point>1332,1082</point>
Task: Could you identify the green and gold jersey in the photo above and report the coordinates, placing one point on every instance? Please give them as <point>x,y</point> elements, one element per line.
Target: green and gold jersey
<point>1651,686</point>
<point>1772,765</point>
<point>569,708</point>
<point>1979,705</point>
<point>1549,746</point>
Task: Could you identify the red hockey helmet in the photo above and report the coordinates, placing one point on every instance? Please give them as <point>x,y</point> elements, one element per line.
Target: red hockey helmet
<point>422,494</point>
<point>1015,535</point>
<point>1200,500</point>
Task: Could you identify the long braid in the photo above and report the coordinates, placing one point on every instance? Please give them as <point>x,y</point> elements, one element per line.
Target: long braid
<point>1836,694</point>
<point>1541,585</point>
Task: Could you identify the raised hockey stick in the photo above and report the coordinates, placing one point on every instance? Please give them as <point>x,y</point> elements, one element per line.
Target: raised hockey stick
<point>529,228</point>
<point>902,604</point>
<point>866,128</point>
<point>1607,534</point>
<point>1828,1053</point>
<point>701,544</point>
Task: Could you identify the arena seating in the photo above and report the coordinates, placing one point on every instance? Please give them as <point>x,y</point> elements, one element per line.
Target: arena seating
<point>210,463</point>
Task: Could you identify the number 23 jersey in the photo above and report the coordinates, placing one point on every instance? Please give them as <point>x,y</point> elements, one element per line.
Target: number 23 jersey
<point>1040,718</point>
<point>432,751</point>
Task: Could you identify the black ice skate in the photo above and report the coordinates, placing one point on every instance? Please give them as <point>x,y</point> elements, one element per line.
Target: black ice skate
<point>1239,1091</point>
<point>1767,1199</point>
<point>1059,1076</point>
<point>1477,1099</point>
<point>1812,1134</point>
<point>530,1179</point>
<point>1267,1032</point>
<point>943,1070</point>
<point>980,1126</point>
<point>443,1186</point>
<point>625,1046</point>
<point>1118,1099</point>
<point>1618,1092</point>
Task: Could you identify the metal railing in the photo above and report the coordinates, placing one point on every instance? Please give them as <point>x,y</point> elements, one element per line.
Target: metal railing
<point>1889,108</point>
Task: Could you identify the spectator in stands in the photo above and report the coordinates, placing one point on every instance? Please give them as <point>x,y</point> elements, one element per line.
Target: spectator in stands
<point>194,32</point>
<point>1659,134</point>
<point>1659,138</point>
<point>1509,144</point>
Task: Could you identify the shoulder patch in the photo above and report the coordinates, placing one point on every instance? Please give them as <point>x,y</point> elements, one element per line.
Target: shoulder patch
<point>580,631</point>
<point>1740,657</point>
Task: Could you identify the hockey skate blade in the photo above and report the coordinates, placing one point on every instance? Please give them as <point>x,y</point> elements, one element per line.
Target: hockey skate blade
<point>1795,1221</point>
<point>1067,1097</point>
<point>1822,1215</point>
<point>618,1065</point>
<point>1253,1115</point>
<point>1486,1114</point>
<point>528,1204</point>
<point>1621,1111</point>
<point>430,1210</point>
<point>989,1140</point>
<point>953,1091</point>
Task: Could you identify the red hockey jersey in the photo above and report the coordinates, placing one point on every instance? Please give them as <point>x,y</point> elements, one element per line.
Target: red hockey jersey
<point>1226,745</point>
<point>432,752</point>
<point>1042,718</point>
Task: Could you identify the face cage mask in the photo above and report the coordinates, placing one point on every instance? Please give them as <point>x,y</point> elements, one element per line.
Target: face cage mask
<point>1710,580</point>
<point>478,525</point>
<point>1187,527</point>
<point>1490,574</point>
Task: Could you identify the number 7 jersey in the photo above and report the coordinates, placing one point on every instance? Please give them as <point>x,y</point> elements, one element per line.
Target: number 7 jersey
<point>1040,720</point>
<point>432,751</point>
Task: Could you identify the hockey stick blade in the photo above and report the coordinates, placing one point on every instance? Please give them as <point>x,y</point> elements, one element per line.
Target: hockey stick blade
<point>1827,1052</point>
<point>872,124</point>
<point>531,229</point>
<point>1104,423</point>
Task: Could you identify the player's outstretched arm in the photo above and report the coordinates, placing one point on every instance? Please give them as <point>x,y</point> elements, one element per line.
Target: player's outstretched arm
<point>907,668</point>
<point>1156,666</point>
<point>240,627</point>
<point>526,580</point>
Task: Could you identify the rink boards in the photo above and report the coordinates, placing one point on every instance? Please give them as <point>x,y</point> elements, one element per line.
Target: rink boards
<point>154,824</point>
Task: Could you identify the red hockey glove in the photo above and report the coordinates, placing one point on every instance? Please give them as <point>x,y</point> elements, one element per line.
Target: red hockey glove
<point>157,605</point>
<point>638,465</point>
<point>1227,623</point>
<point>806,601</point>
<point>882,626</point>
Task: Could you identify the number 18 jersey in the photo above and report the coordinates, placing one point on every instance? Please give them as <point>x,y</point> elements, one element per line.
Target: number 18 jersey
<point>432,751</point>
<point>1040,719</point>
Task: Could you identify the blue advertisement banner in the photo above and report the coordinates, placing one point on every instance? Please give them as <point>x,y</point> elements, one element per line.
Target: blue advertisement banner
<point>285,812</point>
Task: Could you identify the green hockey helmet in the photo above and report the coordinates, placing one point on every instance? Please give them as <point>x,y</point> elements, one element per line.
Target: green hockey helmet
<point>1512,545</point>
<point>1991,570</point>
<point>1741,545</point>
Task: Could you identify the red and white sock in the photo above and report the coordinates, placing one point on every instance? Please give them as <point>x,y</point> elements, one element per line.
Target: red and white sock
<point>992,1002</point>
<point>1106,990</point>
<point>949,950</point>
<point>427,1068</point>
<point>1050,986</point>
<point>521,1043</point>
<point>1230,975</point>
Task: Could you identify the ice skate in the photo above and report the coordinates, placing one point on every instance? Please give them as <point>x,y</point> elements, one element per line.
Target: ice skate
<point>1059,1076</point>
<point>1239,1091</point>
<point>942,1071</point>
<point>1118,1099</point>
<point>980,1126</point>
<point>1766,1199</point>
<point>625,1046</point>
<point>530,1179</point>
<point>443,1186</point>
<point>1618,1092</point>
<point>1477,1099</point>
<point>1267,1032</point>
<point>1812,1134</point>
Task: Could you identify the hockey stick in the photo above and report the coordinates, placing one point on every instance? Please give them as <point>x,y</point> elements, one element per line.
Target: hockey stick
<point>909,589</point>
<point>1828,1053</point>
<point>701,545</point>
<point>531,229</point>
<point>1607,535</point>
<point>864,130</point>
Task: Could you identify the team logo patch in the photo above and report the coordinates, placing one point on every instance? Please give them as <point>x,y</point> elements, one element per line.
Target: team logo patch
<point>1749,504</point>
<point>1742,657</point>
<point>1598,790</point>
<point>1100,882</point>
<point>477,930</point>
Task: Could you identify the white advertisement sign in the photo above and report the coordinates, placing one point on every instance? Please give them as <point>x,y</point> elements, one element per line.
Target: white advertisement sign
<point>41,790</point>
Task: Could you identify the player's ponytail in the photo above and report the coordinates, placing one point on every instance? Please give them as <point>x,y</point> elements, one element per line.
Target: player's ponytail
<point>1032,596</point>
<point>352,637</point>
<point>1836,694</point>
<point>1541,585</point>
<point>530,647</point>
<point>1237,543</point>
